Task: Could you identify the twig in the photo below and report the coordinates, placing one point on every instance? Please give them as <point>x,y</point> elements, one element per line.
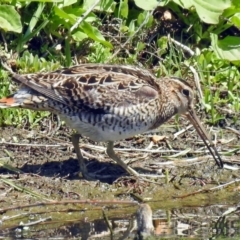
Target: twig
<point>105,217</point>
<point>35,222</point>
<point>233,130</point>
<point>175,135</point>
<point>3,210</point>
<point>197,82</point>
<point>31,145</point>
<point>158,150</point>
<point>191,161</point>
<point>184,47</point>
<point>89,155</point>
<point>4,64</point>
<point>7,218</point>
<point>23,189</point>
<point>225,110</point>
<point>209,190</point>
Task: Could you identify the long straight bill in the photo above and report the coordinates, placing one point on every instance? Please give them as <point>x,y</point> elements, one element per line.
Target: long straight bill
<point>192,117</point>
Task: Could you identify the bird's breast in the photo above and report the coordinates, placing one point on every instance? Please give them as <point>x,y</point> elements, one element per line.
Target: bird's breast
<point>108,127</point>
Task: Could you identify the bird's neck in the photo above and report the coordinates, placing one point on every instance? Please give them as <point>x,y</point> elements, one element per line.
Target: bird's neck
<point>164,105</point>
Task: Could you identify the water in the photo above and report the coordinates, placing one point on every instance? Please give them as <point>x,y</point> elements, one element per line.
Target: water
<point>208,222</point>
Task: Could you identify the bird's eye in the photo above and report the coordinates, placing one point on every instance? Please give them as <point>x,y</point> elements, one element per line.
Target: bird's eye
<point>185,92</point>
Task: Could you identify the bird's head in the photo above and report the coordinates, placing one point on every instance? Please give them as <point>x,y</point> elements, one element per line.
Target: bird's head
<point>182,95</point>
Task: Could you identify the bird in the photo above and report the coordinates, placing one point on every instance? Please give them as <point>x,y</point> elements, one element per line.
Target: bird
<point>108,103</point>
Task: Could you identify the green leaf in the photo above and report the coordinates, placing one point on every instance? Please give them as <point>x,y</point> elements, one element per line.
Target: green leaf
<point>124,8</point>
<point>35,18</point>
<point>104,5</point>
<point>68,52</point>
<point>79,36</point>
<point>52,1</point>
<point>71,15</point>
<point>227,48</point>
<point>162,45</point>
<point>145,16</point>
<point>9,19</point>
<point>94,34</point>
<point>236,3</point>
<point>236,20</point>
<point>208,11</point>
<point>147,4</point>
<point>62,14</point>
<point>140,46</point>
<point>141,18</point>
<point>132,27</point>
<point>69,2</point>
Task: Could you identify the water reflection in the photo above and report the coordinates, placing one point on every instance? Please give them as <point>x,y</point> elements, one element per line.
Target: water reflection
<point>195,222</point>
<point>144,221</point>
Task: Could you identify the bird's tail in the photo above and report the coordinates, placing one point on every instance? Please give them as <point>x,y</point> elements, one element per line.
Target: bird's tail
<point>25,97</point>
<point>13,100</point>
<point>8,102</point>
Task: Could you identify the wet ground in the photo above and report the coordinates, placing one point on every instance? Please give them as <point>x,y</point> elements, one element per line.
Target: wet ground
<point>42,194</point>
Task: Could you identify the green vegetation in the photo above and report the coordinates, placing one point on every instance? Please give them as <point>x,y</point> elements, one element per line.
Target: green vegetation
<point>42,35</point>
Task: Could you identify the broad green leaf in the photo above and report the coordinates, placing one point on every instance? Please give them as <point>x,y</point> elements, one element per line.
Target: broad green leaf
<point>69,2</point>
<point>88,3</point>
<point>236,3</point>
<point>72,14</point>
<point>79,36</point>
<point>124,8</point>
<point>52,1</point>
<point>229,12</point>
<point>147,4</point>
<point>9,19</point>
<point>94,34</point>
<point>124,28</point>
<point>62,14</point>
<point>104,5</point>
<point>208,11</point>
<point>140,46</point>
<point>236,19</point>
<point>90,18</point>
<point>68,51</point>
<point>35,18</point>
<point>162,45</point>
<point>150,21</point>
<point>227,48</point>
<point>132,27</point>
<point>143,16</point>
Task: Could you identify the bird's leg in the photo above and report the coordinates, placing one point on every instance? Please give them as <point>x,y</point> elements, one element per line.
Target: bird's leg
<point>117,159</point>
<point>83,168</point>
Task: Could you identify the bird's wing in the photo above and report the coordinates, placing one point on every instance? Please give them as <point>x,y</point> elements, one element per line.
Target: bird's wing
<point>95,86</point>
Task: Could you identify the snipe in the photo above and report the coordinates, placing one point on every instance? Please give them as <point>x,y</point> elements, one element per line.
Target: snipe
<point>107,103</point>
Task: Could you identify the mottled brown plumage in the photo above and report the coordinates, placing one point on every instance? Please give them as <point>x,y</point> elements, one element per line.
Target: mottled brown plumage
<point>107,102</point>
